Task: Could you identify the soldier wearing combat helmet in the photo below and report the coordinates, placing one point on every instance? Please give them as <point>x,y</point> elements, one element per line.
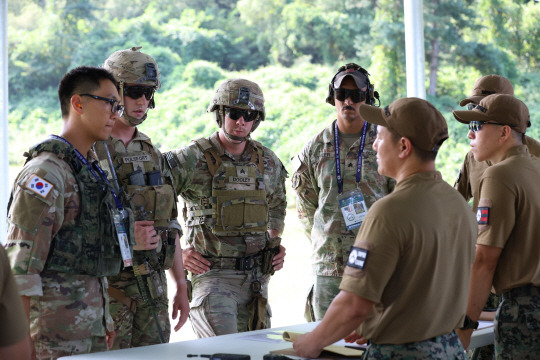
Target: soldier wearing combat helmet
<point>234,209</point>
<point>139,303</point>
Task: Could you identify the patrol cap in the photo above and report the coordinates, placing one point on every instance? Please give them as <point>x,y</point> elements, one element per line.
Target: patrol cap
<point>413,118</point>
<point>487,85</point>
<point>500,108</point>
<point>360,79</point>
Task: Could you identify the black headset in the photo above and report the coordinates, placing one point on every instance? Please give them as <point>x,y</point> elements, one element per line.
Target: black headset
<point>372,95</point>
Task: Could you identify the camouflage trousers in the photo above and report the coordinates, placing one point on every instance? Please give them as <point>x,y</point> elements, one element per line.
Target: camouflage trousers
<point>138,327</point>
<point>517,324</point>
<point>220,301</point>
<point>446,346</point>
<point>52,350</point>
<point>324,291</point>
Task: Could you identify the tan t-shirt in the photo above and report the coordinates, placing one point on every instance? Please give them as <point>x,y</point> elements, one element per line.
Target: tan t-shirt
<point>468,181</point>
<point>509,218</point>
<point>14,324</point>
<point>420,247</point>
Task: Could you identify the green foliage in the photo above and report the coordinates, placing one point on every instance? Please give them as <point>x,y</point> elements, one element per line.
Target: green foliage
<point>291,48</point>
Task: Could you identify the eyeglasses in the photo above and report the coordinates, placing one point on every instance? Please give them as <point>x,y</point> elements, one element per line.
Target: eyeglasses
<point>356,95</point>
<point>235,114</point>
<point>116,108</point>
<point>136,92</point>
<point>475,126</point>
<point>471,106</point>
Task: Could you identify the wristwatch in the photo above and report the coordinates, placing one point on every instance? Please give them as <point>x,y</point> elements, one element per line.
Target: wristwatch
<point>469,324</point>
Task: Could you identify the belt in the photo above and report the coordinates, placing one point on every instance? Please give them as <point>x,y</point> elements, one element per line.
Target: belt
<point>522,291</point>
<point>236,263</point>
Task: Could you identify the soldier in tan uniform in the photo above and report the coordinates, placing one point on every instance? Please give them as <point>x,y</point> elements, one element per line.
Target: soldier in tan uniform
<point>468,181</point>
<point>410,264</point>
<point>61,224</point>
<point>333,196</point>
<point>234,209</point>
<point>507,250</point>
<point>139,302</point>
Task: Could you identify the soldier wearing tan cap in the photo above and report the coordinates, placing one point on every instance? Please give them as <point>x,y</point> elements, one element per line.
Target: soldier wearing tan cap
<point>507,251</point>
<point>413,253</point>
<point>468,180</point>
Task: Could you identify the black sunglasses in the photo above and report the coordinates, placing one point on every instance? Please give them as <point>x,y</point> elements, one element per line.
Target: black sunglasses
<point>116,108</point>
<point>356,95</point>
<point>235,114</point>
<point>475,126</point>
<point>136,92</point>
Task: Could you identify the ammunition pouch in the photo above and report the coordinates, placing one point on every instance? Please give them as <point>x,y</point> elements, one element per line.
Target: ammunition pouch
<point>271,250</point>
<point>240,211</point>
<point>155,203</point>
<point>258,314</point>
<point>236,263</point>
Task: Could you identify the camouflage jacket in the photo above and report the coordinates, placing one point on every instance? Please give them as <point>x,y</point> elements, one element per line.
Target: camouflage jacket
<point>193,182</point>
<point>316,186</point>
<point>63,306</point>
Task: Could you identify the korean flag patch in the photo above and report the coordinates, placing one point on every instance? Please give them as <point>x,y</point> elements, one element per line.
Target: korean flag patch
<point>357,258</point>
<point>482,215</point>
<point>39,186</point>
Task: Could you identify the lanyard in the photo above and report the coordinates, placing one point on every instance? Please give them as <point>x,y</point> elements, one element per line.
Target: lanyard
<point>90,167</point>
<point>338,161</point>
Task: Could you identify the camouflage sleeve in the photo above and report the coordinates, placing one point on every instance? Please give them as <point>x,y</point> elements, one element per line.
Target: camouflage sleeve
<point>167,174</point>
<point>307,192</point>
<point>44,197</point>
<point>277,199</point>
<point>183,163</point>
<point>462,184</point>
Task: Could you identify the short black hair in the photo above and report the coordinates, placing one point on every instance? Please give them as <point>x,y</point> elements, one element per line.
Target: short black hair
<point>423,155</point>
<point>82,79</point>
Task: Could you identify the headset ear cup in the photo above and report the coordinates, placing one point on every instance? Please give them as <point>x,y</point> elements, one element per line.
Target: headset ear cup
<point>330,97</point>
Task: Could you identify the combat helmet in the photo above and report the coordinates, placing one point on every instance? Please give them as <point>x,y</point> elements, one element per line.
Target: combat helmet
<point>240,94</point>
<point>130,66</point>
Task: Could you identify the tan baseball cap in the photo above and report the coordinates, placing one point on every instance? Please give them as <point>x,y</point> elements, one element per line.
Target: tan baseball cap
<point>487,85</point>
<point>413,118</point>
<point>498,108</point>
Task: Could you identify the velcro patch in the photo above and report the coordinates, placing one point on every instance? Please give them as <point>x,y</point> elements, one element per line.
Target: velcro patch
<point>39,186</point>
<point>357,258</point>
<point>482,215</point>
<point>136,158</point>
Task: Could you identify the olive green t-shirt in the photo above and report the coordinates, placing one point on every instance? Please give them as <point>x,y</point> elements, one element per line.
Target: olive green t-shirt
<point>508,217</point>
<point>419,244</point>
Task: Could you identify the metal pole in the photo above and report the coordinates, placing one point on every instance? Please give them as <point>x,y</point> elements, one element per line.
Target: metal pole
<point>414,48</point>
<point>4,158</point>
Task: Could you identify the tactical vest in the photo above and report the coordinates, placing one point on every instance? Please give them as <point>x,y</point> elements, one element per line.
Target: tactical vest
<point>149,194</point>
<point>90,246</point>
<point>153,198</point>
<point>238,203</point>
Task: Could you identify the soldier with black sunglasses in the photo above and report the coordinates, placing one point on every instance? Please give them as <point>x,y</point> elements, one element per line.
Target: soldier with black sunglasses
<point>336,181</point>
<point>139,302</point>
<point>234,209</point>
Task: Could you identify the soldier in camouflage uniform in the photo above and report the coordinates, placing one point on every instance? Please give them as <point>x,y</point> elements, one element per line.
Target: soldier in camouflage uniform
<point>507,248</point>
<point>139,303</point>
<point>320,187</point>
<point>234,208</point>
<point>407,277</point>
<point>61,241</point>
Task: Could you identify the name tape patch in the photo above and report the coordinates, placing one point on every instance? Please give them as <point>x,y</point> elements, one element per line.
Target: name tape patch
<point>357,258</point>
<point>136,158</point>
<point>482,215</point>
<point>39,186</point>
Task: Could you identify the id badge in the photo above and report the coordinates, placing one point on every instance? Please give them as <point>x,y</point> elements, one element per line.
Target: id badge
<point>123,240</point>
<point>353,208</point>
